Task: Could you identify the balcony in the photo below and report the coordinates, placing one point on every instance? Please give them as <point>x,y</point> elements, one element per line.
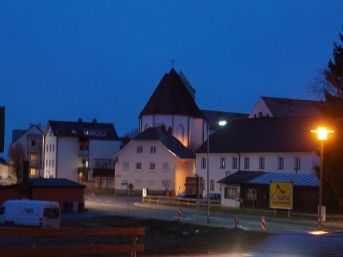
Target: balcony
<point>103,168</point>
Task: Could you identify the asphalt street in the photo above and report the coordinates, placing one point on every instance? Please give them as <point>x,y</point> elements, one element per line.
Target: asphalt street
<point>132,206</point>
<point>289,237</point>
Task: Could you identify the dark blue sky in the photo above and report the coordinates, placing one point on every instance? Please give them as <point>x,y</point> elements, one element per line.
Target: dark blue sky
<point>102,59</point>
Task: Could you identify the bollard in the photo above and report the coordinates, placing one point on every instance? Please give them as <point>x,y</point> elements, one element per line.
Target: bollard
<point>178,215</point>
<point>236,222</point>
<point>263,224</point>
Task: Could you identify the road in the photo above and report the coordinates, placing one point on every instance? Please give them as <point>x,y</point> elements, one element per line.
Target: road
<point>290,238</point>
<point>131,206</point>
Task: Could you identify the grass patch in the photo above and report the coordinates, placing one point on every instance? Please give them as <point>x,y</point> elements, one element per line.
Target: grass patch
<point>170,237</point>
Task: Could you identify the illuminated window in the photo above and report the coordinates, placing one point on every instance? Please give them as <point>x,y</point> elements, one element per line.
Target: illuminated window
<point>222,163</point>
<point>33,172</point>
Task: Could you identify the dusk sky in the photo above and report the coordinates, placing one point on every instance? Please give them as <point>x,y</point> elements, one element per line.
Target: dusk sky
<point>64,60</point>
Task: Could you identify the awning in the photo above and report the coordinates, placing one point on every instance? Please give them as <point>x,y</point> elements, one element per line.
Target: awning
<point>264,178</point>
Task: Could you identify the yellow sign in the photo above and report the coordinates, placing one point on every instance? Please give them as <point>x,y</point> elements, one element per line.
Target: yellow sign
<point>281,195</point>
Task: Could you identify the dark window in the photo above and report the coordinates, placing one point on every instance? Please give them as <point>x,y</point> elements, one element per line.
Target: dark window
<point>261,163</point>
<point>203,163</point>
<point>234,162</point>
<point>139,149</point>
<point>33,142</point>
<point>246,163</point>
<point>138,165</point>
<point>2,210</point>
<point>152,149</point>
<point>297,163</point>
<point>281,163</point>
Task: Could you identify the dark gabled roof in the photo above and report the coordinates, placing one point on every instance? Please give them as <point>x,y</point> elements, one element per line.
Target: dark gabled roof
<point>174,145</point>
<point>90,130</point>
<point>264,135</point>
<point>213,117</point>
<point>285,107</point>
<point>172,96</point>
<point>54,182</point>
<point>17,133</point>
<point>264,178</point>
<point>240,177</point>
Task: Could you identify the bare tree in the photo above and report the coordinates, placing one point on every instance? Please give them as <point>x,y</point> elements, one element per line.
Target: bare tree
<point>166,184</point>
<point>16,157</point>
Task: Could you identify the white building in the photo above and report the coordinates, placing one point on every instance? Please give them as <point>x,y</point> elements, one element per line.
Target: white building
<point>29,143</point>
<point>284,107</point>
<point>80,150</point>
<point>283,145</point>
<point>155,160</point>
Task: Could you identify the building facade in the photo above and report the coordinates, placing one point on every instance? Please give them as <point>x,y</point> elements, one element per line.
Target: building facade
<point>154,160</point>
<point>29,142</point>
<point>74,150</point>
<point>281,145</point>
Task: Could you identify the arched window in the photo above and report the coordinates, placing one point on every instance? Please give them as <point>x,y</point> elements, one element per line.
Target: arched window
<point>180,133</point>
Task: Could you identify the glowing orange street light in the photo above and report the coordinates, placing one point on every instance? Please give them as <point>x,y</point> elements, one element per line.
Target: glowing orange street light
<point>322,135</point>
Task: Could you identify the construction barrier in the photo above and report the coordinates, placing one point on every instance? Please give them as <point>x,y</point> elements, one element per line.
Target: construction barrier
<point>263,224</point>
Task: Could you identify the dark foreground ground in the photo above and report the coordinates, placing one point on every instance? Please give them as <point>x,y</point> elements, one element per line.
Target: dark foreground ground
<point>170,237</point>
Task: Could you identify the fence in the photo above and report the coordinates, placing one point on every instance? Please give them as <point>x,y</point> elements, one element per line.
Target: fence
<point>60,248</point>
<point>157,199</point>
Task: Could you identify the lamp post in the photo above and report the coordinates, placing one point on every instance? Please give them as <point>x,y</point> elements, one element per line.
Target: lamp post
<point>322,135</point>
<point>220,123</point>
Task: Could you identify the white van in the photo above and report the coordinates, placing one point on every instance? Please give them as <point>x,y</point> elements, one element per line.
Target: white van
<point>30,213</point>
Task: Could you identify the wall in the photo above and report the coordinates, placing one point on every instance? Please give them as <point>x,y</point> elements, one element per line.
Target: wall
<point>145,177</point>
<point>230,202</point>
<point>49,154</point>
<point>184,168</point>
<point>68,159</point>
<point>11,193</point>
<point>308,163</point>
<point>61,195</point>
<point>260,106</point>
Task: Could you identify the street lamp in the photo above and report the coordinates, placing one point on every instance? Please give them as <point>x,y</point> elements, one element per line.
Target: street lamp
<point>220,123</point>
<point>322,135</point>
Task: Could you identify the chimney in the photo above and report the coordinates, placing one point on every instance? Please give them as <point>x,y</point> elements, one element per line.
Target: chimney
<point>94,121</point>
<point>79,120</point>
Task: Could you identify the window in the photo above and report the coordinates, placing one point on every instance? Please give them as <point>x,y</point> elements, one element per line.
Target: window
<point>138,166</point>
<point>53,148</point>
<point>46,163</point>
<point>33,172</point>
<point>125,166</point>
<point>49,163</point>
<point>281,163</point>
<point>230,193</point>
<point>212,185</point>
<point>33,142</point>
<point>246,163</point>
<point>139,149</point>
<point>33,157</point>
<point>152,166</point>
<point>297,163</point>
<point>261,163</point>
<point>165,167</point>
<point>152,149</point>
<point>234,162</point>
<point>203,163</point>
<point>46,148</point>
<point>52,163</point>
<point>49,148</point>
<point>222,163</point>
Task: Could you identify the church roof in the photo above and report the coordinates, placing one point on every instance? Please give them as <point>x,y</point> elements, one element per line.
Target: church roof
<point>172,96</point>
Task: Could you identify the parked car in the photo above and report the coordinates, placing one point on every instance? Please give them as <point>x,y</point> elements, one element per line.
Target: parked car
<point>30,213</point>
